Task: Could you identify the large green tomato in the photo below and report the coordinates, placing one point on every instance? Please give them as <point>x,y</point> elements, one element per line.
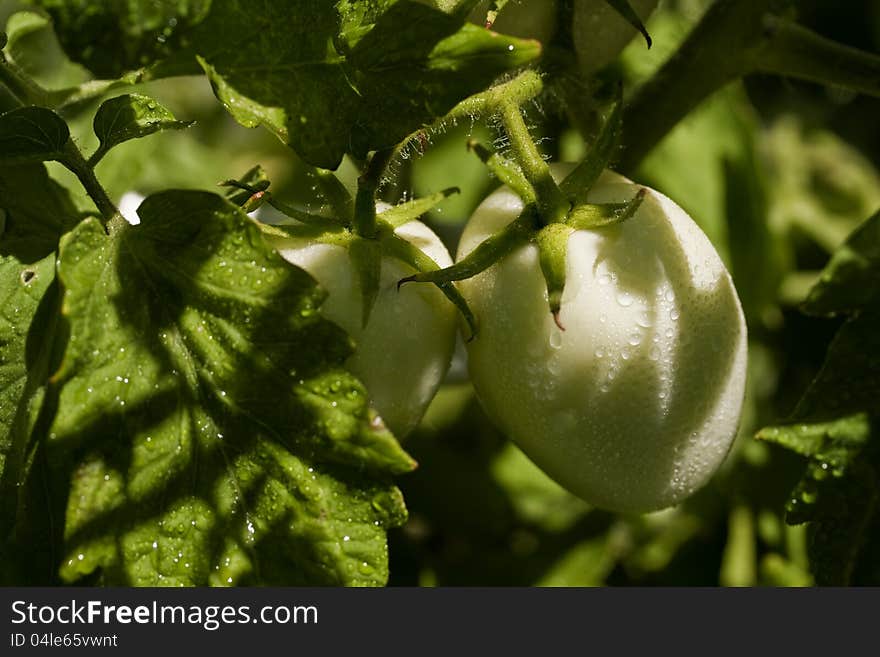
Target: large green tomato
<point>403,352</point>
<point>636,403</point>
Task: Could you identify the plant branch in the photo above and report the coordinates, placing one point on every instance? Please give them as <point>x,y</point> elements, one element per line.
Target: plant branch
<point>552,205</point>
<point>365,200</point>
<point>22,87</point>
<point>797,52</point>
<point>733,39</point>
<point>518,90</point>
<point>74,160</point>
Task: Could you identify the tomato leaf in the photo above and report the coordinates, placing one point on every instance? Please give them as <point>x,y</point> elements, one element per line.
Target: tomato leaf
<point>35,211</point>
<point>851,280</point>
<point>131,116</point>
<point>32,134</point>
<point>375,71</point>
<point>110,37</point>
<point>217,437</point>
<point>835,424</point>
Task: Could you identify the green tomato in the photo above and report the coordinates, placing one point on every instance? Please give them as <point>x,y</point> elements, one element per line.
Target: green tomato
<point>636,403</point>
<point>404,351</point>
<point>600,33</point>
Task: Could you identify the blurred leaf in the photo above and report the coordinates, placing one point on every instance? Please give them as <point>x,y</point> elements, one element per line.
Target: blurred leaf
<point>689,165</point>
<point>756,262</point>
<point>738,562</point>
<point>111,37</point>
<point>835,424</point>
<point>851,280</point>
<point>34,47</point>
<point>131,116</point>
<point>586,564</point>
<point>536,498</point>
<point>821,186</point>
<point>374,71</point>
<point>214,434</point>
<point>32,134</point>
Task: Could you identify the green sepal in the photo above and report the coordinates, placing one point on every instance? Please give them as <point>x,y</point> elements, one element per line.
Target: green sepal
<point>366,255</point>
<point>507,171</point>
<point>623,8</point>
<point>403,213</point>
<point>579,182</point>
<point>588,216</point>
<point>336,235</point>
<point>408,253</point>
<point>487,253</point>
<point>552,241</point>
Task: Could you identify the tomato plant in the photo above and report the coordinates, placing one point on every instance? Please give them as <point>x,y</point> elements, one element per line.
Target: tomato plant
<point>247,380</point>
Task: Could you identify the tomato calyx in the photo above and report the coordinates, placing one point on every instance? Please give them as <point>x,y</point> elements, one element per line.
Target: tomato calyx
<point>368,235</point>
<point>551,212</point>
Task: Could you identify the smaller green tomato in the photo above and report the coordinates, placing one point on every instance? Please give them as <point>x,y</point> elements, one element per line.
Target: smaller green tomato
<point>404,351</point>
<point>636,403</point>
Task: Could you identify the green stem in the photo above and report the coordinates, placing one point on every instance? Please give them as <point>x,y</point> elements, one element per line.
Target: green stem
<point>552,205</point>
<point>797,52</point>
<point>22,87</point>
<point>29,92</point>
<point>365,201</point>
<point>735,38</point>
<point>74,160</point>
<point>506,171</point>
<point>714,54</point>
<point>519,90</point>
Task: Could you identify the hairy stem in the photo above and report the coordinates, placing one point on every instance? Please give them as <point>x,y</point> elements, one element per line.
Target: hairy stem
<point>552,205</point>
<point>520,89</point>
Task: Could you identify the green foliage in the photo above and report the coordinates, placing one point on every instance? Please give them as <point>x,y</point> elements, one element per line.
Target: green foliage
<point>374,71</point>
<point>36,212</point>
<point>835,424</point>
<point>131,116</point>
<point>32,134</point>
<point>111,37</point>
<point>248,452</point>
<point>173,408</point>
<point>394,66</point>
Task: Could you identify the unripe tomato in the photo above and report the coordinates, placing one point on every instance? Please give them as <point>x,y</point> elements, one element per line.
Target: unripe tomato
<point>636,403</point>
<point>403,352</point>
